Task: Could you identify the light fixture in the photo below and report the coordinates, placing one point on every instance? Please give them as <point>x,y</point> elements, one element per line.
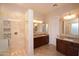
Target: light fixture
<point>35,24</point>
<point>70,17</point>
<point>37,21</point>
<point>54,5</point>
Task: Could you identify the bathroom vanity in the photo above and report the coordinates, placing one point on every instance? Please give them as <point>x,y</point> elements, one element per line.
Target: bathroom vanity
<point>41,37</point>
<point>68,41</point>
<point>40,40</point>
<point>68,47</point>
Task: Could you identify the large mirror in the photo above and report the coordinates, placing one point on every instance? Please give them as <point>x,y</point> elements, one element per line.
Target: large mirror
<point>40,27</point>
<point>71,27</point>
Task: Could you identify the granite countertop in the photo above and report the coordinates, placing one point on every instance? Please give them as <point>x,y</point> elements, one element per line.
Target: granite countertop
<point>40,35</point>
<point>69,39</point>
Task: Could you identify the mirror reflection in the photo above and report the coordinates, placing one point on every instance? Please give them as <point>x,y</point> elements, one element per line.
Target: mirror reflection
<point>71,27</point>
<point>39,27</point>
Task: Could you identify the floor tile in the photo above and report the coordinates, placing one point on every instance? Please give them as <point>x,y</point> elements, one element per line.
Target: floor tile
<point>47,50</point>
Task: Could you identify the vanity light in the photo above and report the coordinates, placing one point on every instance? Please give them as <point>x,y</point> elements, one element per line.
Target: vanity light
<point>35,24</point>
<point>69,17</point>
<point>37,21</point>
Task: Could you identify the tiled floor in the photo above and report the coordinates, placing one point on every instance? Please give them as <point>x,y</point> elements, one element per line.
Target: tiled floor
<point>47,50</point>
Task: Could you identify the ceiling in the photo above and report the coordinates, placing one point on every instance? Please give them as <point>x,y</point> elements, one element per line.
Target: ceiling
<point>43,8</point>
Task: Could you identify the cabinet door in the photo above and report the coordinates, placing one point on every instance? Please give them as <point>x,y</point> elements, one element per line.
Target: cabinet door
<point>40,41</point>
<point>69,51</point>
<point>59,45</point>
<point>36,42</point>
<point>67,48</point>
<point>76,49</point>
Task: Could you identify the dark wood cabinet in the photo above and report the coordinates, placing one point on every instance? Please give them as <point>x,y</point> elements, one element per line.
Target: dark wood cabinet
<point>40,41</point>
<point>67,48</point>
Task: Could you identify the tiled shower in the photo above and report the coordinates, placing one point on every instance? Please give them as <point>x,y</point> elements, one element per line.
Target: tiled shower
<point>14,27</point>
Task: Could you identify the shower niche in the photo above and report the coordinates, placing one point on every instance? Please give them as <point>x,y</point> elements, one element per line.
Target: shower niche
<point>5,36</point>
